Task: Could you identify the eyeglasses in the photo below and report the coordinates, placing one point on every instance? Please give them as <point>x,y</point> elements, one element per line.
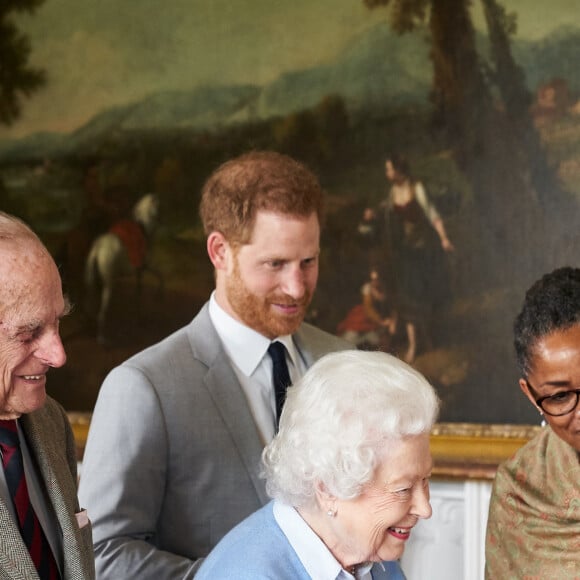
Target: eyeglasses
<point>559,404</point>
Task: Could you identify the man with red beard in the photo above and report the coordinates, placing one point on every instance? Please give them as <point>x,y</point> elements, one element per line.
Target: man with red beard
<point>172,461</point>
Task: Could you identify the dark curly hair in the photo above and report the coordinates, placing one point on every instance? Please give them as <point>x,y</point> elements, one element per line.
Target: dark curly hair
<point>552,303</point>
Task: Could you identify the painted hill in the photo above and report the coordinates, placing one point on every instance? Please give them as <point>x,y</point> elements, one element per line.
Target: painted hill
<point>378,68</point>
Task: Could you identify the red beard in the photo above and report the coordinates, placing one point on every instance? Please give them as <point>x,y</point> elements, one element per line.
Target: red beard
<point>258,314</point>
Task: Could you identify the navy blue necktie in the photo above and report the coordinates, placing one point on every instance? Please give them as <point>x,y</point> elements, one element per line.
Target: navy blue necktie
<point>280,375</point>
<point>30,527</point>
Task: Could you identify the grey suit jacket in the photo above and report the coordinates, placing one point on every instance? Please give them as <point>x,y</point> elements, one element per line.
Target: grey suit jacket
<point>173,455</point>
<point>51,444</point>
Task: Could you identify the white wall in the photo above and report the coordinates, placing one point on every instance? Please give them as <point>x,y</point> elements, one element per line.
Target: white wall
<point>450,545</point>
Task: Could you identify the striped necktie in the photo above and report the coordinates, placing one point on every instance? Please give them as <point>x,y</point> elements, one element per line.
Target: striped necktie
<point>30,527</point>
<point>280,375</point>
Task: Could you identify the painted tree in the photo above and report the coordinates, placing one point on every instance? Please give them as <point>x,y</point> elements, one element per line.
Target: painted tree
<point>478,129</point>
<point>18,80</point>
<point>510,80</point>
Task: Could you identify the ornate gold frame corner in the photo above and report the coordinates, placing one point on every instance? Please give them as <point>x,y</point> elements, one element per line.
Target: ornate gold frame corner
<point>474,450</point>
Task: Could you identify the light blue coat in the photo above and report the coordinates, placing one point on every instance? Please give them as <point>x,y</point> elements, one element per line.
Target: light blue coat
<point>257,549</point>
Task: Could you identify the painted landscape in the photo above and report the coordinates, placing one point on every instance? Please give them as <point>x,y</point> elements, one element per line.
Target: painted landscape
<point>498,154</point>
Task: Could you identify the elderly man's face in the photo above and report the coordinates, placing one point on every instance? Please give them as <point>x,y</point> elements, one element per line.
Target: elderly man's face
<point>31,305</point>
<point>270,280</point>
<point>375,525</point>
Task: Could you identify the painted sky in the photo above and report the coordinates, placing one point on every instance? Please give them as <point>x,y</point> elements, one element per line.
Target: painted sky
<point>98,53</point>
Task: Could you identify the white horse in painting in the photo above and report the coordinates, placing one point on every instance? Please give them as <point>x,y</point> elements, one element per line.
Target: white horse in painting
<point>110,258</point>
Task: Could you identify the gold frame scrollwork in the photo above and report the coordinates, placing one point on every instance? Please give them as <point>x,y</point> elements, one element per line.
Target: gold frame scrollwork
<point>473,450</point>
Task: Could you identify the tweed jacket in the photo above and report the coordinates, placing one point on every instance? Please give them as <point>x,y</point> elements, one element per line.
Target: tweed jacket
<point>51,444</point>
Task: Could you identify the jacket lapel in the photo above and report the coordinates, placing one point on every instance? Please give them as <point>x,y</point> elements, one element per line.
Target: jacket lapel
<point>45,445</point>
<point>227,394</point>
<point>231,403</point>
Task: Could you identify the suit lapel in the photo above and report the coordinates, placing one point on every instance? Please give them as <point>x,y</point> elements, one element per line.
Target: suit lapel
<point>59,485</point>
<point>307,355</point>
<point>232,405</point>
<point>310,345</point>
<point>228,397</point>
<point>313,343</point>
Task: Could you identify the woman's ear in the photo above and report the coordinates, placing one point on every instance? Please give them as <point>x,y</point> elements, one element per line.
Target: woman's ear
<point>325,500</point>
<point>525,387</point>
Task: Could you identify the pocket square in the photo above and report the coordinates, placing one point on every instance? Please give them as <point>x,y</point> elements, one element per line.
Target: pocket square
<point>82,518</point>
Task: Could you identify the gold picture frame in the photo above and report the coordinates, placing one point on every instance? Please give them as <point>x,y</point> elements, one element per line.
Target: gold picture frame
<point>473,451</point>
<point>460,450</point>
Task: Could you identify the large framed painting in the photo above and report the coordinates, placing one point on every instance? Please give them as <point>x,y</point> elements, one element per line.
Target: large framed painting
<point>472,105</point>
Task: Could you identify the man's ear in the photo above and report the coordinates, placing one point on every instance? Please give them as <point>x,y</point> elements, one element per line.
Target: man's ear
<point>526,390</point>
<point>217,250</point>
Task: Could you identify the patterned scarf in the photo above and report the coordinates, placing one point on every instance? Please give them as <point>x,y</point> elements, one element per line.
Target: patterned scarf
<point>533,530</point>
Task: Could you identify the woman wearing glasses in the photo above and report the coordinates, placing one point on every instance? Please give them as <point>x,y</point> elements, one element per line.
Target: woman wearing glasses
<point>534,518</point>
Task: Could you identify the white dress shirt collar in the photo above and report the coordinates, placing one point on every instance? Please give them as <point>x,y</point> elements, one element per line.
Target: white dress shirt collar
<point>247,352</point>
<point>310,549</point>
<point>244,346</point>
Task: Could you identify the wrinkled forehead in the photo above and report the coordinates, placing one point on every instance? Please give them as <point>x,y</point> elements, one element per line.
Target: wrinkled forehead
<point>27,272</point>
<point>20,254</point>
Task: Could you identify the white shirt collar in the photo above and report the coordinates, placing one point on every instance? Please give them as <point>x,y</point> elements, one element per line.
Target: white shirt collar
<point>244,346</point>
<point>310,549</point>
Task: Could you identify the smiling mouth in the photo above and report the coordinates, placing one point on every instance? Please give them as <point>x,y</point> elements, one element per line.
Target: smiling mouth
<point>33,377</point>
<point>401,533</point>
<point>288,308</point>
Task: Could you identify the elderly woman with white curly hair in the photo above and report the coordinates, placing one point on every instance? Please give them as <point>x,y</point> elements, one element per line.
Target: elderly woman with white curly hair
<point>348,472</point>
